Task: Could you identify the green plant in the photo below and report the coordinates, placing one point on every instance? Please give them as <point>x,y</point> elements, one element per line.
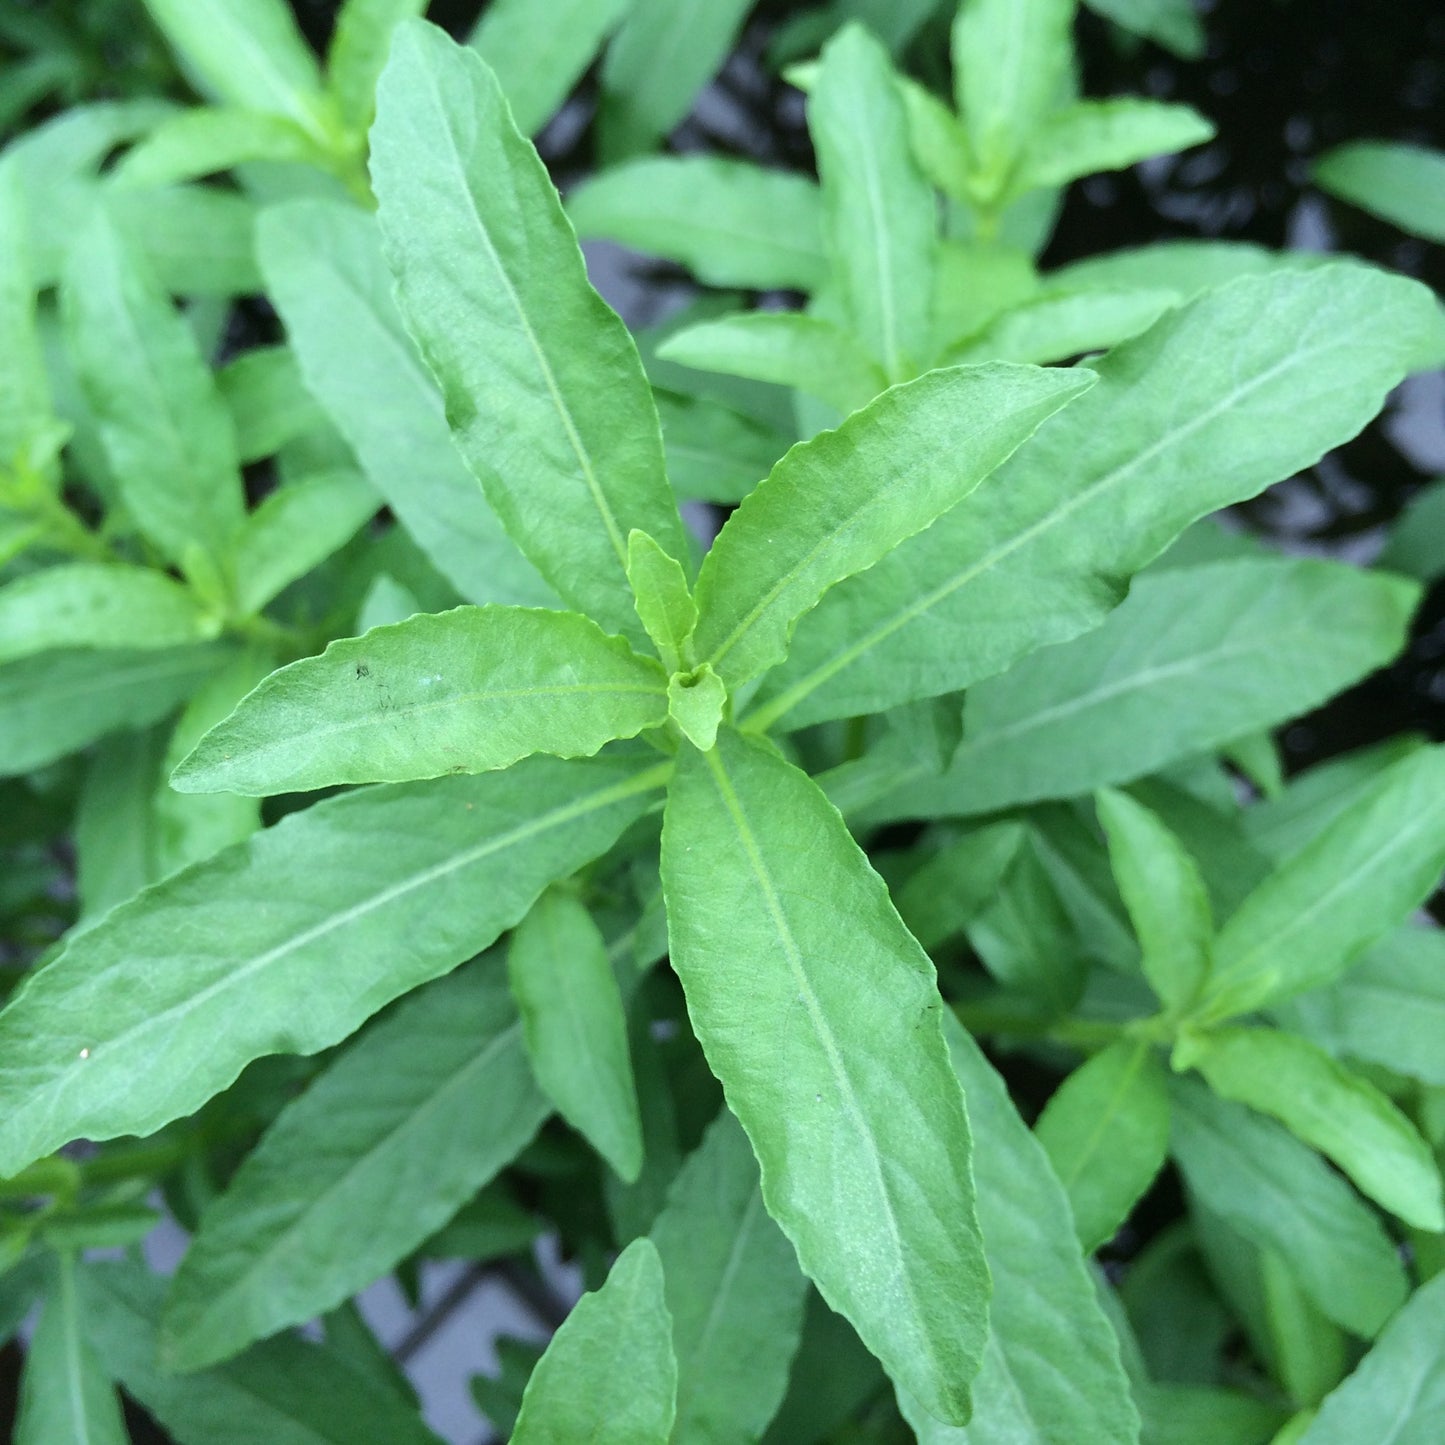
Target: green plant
<point>958,675</point>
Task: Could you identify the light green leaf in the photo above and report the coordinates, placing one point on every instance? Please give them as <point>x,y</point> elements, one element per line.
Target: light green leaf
<point>309,928</point>
<point>543,51</point>
<point>1240,388</point>
<point>1378,859</point>
<point>296,527</point>
<point>267,399</point>
<point>1282,1196</point>
<point>248,53</point>
<point>697,702</point>
<point>1055,325</point>
<point>835,505</point>
<point>379,1152</point>
<point>734,1290</point>
<point>466,691</point>
<point>325,273</point>
<point>663,55</point>
<point>167,433</point>
<point>609,1375</point>
<point>25,411</point>
<point>359,45</point>
<point>52,704</point>
<point>660,594</point>
<point>89,604</point>
<point>1174,24</point>
<point>1108,135</point>
<point>65,1394</point>
<point>1184,267</point>
<point>1402,184</point>
<point>1011,62</point>
<point>197,240</point>
<point>729,222</point>
<point>1165,895</point>
<point>1396,1395</point>
<point>284,1391</point>
<point>579,461</point>
<point>880,215</point>
<point>574,1026</point>
<point>715,454</point>
<point>1106,1132</point>
<point>114,824</point>
<point>1051,1371</point>
<point>865,1164</point>
<point>203,141</point>
<point>1329,1107</point>
<point>786,347</point>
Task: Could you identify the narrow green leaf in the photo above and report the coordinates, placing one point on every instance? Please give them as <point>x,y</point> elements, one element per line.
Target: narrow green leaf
<point>284,1391</point>
<point>574,1026</point>
<point>1281,1195</point>
<point>660,594</point>
<point>296,527</point>
<point>268,401</point>
<point>1378,860</point>
<point>1415,545</point>
<point>715,454</point>
<point>247,52</point>
<point>1396,1395</point>
<point>1055,325</point>
<point>609,1376</point>
<point>325,273</point>
<point>1185,267</point>
<point>541,53</point>
<point>1092,136</point>
<point>663,55</point>
<point>465,691</point>
<point>1332,1109</point>
<point>52,704</point>
<point>289,941</point>
<point>65,1394</point>
<point>25,410</point>
<point>579,463</point>
<point>729,222</point>
<point>196,240</point>
<point>1051,1372</point>
<point>1166,898</point>
<point>89,604</point>
<point>881,219</point>
<point>115,841</point>
<point>378,1153</point>
<point>200,142</point>
<point>1242,387</point>
<point>359,46</point>
<point>1011,61</point>
<point>1174,24</point>
<point>1402,184</point>
<point>950,888</point>
<point>835,505</point>
<point>167,433</point>
<point>734,1290</point>
<point>800,980</point>
<point>1106,1132</point>
<point>785,347</point>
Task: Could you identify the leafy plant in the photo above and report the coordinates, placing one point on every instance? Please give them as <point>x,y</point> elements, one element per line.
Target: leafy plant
<point>927,747</point>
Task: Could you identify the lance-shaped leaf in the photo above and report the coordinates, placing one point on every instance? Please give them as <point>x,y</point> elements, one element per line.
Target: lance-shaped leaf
<point>284,1391</point>
<point>25,411</point>
<point>376,1156</point>
<point>881,219</point>
<point>167,433</point>
<point>1282,1196</point>
<point>1403,184</point>
<point>1106,1132</point>
<point>52,704</point>
<point>661,596</point>
<point>268,400</point>
<point>819,1013</point>
<point>715,454</point>
<point>540,53</point>
<point>734,1290</point>
<point>609,1376</point>
<point>1396,1395</point>
<point>465,691</point>
<point>574,1026</point>
<point>1165,895</point>
<point>1331,1108</point>
<point>1378,860</point>
<point>325,273</point>
<point>1051,1372</point>
<point>360,42</point>
<point>205,140</point>
<point>287,942</point>
<point>65,1393</point>
<point>543,386</point>
<point>835,505</point>
<point>89,604</point>
<point>1174,24</point>
<point>1108,135</point>
<point>729,222</point>
<point>1244,386</point>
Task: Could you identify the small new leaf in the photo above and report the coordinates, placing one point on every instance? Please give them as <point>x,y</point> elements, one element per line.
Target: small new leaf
<point>660,594</point>
<point>695,702</point>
